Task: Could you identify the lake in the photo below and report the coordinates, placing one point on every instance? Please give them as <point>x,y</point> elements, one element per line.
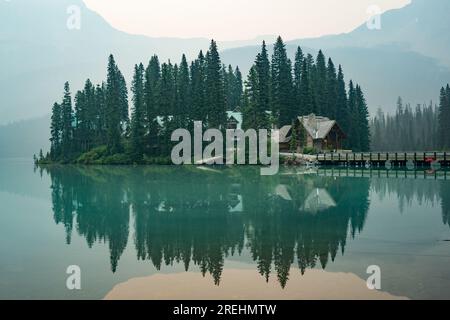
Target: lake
<point>166,232</point>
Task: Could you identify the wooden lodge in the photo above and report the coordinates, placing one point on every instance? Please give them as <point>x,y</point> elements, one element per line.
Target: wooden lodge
<point>314,132</point>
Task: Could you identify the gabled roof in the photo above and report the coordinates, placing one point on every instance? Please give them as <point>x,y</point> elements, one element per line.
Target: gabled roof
<point>318,200</point>
<point>316,126</point>
<point>237,116</point>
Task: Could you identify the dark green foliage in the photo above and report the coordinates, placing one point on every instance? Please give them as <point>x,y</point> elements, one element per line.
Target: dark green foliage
<point>214,89</point>
<point>115,106</point>
<point>137,138</point>
<point>55,131</point>
<point>66,123</point>
<point>257,95</point>
<point>281,85</point>
<point>312,87</point>
<point>408,129</point>
<point>444,118</point>
<point>166,97</point>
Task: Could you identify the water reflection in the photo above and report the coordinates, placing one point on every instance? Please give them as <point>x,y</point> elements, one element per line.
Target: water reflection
<point>200,217</point>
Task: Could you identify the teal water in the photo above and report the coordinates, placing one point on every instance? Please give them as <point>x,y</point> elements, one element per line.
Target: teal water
<point>119,223</point>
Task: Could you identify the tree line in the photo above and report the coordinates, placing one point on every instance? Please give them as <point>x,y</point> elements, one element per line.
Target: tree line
<point>164,97</point>
<point>423,128</point>
<point>306,86</point>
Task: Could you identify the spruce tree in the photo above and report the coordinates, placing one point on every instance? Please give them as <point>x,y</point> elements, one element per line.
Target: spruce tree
<point>444,118</point>
<point>262,69</point>
<point>281,85</point>
<point>251,99</point>
<point>342,112</point>
<point>137,137</point>
<point>67,122</point>
<point>198,111</point>
<point>320,85</point>
<point>184,94</point>
<point>55,131</point>
<point>353,132</point>
<point>239,86</point>
<point>115,109</point>
<point>215,91</point>
<point>298,66</point>
<point>152,103</point>
<point>363,120</point>
<point>305,94</point>
<point>331,91</point>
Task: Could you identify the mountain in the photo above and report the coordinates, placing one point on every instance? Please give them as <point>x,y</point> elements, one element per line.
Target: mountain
<point>38,53</point>
<point>23,139</point>
<point>407,57</point>
<point>422,26</point>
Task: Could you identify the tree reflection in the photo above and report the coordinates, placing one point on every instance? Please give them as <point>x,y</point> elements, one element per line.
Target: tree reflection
<point>199,217</point>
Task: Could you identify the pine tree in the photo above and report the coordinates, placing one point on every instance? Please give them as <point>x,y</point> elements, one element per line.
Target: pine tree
<point>152,103</point>
<point>262,69</point>
<point>67,122</point>
<point>239,86</point>
<point>137,137</point>
<point>100,121</point>
<point>341,109</point>
<point>363,120</point>
<point>167,105</point>
<point>251,99</point>
<point>198,91</point>
<point>281,85</point>
<point>215,91</point>
<point>298,67</point>
<point>320,85</point>
<point>331,91</point>
<point>55,131</point>
<point>115,108</point>
<point>444,118</point>
<point>306,95</point>
<point>184,94</point>
<point>353,133</point>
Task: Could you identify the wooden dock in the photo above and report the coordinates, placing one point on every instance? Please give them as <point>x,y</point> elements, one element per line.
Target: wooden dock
<point>389,159</point>
<point>354,172</point>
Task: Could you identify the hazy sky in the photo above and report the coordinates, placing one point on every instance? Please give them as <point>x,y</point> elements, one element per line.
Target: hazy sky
<point>237,19</point>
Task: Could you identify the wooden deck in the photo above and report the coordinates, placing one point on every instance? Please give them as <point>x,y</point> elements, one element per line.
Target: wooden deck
<point>379,159</point>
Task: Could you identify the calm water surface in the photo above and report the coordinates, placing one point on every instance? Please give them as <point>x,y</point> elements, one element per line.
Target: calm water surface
<point>180,232</point>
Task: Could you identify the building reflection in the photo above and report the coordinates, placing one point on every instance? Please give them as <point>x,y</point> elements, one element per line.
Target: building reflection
<point>183,215</point>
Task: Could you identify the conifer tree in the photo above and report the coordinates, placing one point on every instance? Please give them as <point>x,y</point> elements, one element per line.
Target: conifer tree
<point>67,122</point>
<point>305,94</point>
<point>251,99</point>
<point>239,86</point>
<point>281,85</point>
<point>198,91</point>
<point>55,131</point>
<point>331,91</point>
<point>215,91</point>
<point>362,121</point>
<point>341,111</point>
<point>152,103</point>
<point>184,94</point>
<point>320,85</point>
<point>262,69</point>
<point>298,66</point>
<point>353,134</point>
<point>115,107</point>
<point>137,137</point>
<point>444,118</point>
